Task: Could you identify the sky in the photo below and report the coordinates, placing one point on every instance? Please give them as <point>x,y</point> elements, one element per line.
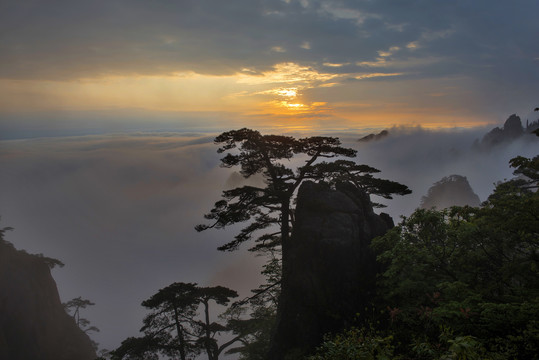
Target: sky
<point>76,67</point>
<point>108,110</point>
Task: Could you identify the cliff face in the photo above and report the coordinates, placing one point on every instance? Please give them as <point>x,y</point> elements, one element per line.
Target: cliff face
<point>331,273</point>
<point>33,323</point>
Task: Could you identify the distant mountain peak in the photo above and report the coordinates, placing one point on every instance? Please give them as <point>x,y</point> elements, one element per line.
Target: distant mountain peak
<point>512,129</point>
<point>452,190</point>
<point>374,137</point>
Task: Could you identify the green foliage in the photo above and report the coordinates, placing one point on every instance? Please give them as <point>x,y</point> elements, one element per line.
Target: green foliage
<point>355,344</point>
<point>472,270</point>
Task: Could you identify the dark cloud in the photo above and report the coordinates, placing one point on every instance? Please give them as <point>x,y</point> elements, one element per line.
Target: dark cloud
<point>74,39</point>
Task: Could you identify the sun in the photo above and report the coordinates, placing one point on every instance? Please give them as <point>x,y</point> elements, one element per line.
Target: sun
<point>289,92</point>
<point>294,106</point>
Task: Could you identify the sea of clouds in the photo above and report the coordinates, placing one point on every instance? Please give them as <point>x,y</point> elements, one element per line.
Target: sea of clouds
<point>120,210</point>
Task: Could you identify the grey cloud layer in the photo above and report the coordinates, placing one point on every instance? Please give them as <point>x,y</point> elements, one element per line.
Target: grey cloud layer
<point>74,39</point>
<point>120,210</point>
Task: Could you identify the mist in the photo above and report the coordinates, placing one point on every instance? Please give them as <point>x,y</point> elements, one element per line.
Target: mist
<point>120,210</point>
<point>418,158</point>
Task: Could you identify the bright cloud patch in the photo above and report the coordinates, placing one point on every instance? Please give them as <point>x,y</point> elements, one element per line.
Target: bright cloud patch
<point>375,75</point>
<point>286,73</point>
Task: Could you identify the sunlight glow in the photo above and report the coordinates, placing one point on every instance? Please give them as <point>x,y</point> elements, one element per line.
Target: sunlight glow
<point>292,106</point>
<point>300,94</point>
<point>284,92</point>
<point>286,73</point>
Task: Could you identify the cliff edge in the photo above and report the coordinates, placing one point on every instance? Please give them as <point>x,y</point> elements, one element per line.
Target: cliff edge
<point>33,322</point>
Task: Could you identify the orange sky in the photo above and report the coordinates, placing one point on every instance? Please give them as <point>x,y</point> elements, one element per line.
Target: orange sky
<point>284,64</point>
<point>288,96</point>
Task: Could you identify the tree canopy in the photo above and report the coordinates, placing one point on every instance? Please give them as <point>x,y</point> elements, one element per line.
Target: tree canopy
<point>175,328</point>
<point>467,273</point>
<point>271,207</point>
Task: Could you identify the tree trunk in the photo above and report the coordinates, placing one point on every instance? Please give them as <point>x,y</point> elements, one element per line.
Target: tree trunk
<point>285,232</point>
<point>207,341</point>
<point>180,335</point>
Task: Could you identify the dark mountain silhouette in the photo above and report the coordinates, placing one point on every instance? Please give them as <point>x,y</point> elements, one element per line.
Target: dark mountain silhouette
<point>33,322</point>
<point>374,137</point>
<point>512,129</point>
<point>332,269</point>
<point>453,190</point>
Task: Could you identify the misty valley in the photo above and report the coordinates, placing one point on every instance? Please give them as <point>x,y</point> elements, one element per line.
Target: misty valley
<point>456,276</point>
<point>269,180</point>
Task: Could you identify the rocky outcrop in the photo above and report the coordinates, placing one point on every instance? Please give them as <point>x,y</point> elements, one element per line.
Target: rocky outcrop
<point>512,129</point>
<point>33,322</point>
<point>374,137</point>
<point>331,271</point>
<point>453,190</point>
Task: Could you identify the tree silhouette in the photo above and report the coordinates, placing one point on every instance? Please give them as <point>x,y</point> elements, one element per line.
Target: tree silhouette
<point>4,242</point>
<point>74,306</point>
<point>51,262</point>
<point>271,208</point>
<point>174,327</point>
<point>221,296</point>
<point>255,332</point>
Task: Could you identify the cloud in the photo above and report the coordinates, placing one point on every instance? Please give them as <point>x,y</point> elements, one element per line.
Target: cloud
<point>278,49</point>
<point>286,73</point>
<point>420,157</point>
<point>375,75</point>
<point>76,39</point>
<point>136,52</point>
<point>120,210</point>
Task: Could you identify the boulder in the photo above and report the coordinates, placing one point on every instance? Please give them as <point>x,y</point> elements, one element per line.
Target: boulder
<point>330,277</point>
